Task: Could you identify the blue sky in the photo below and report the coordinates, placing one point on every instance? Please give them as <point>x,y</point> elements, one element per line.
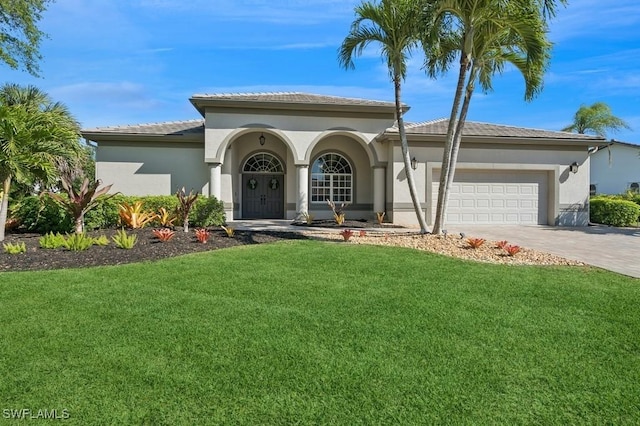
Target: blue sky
<point>115,62</point>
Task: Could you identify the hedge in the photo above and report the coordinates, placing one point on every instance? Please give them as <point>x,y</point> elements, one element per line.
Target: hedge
<point>614,211</point>
<point>42,214</point>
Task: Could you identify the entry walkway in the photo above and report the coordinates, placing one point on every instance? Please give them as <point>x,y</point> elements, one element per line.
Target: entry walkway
<point>614,249</point>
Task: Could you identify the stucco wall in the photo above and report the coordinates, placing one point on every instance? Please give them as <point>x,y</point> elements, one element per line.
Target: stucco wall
<point>152,169</point>
<point>615,176</point>
<point>568,192</point>
<point>299,133</point>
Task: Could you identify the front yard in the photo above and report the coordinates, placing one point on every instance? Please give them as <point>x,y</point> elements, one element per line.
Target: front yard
<point>311,332</point>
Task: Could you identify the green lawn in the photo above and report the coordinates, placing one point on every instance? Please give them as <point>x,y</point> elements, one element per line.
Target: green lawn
<point>321,333</point>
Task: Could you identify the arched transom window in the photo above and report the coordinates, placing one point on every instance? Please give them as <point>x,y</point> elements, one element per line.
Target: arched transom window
<point>263,163</point>
<point>331,179</point>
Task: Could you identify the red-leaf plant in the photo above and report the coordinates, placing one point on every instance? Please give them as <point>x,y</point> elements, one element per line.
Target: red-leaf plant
<point>512,250</point>
<point>363,233</point>
<point>186,201</point>
<point>475,243</point>
<point>80,202</point>
<point>346,234</point>
<point>164,234</point>
<point>202,235</point>
<point>501,244</point>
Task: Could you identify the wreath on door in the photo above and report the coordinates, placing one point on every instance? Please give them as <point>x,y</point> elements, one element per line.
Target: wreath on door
<point>274,184</point>
<point>252,183</point>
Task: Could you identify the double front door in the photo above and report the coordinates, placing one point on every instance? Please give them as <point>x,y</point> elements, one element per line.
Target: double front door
<point>262,196</point>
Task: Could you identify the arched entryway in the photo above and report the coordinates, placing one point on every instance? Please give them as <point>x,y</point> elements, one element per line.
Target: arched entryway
<point>263,187</point>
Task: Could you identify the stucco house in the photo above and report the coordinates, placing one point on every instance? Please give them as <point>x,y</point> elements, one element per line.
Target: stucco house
<point>615,168</point>
<point>277,155</point>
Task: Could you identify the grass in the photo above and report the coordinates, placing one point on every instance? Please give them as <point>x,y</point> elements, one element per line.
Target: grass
<point>322,333</point>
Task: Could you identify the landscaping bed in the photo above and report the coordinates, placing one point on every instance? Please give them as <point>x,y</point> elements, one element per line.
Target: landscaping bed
<point>149,248</point>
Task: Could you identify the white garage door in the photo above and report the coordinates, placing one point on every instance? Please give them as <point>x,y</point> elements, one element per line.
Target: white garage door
<point>495,197</point>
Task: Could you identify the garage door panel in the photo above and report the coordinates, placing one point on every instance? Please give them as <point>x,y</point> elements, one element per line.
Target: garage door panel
<point>495,197</point>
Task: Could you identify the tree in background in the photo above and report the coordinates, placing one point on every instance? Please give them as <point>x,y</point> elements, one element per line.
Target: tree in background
<point>596,119</point>
<point>484,35</point>
<point>393,25</point>
<point>19,36</point>
<point>36,136</point>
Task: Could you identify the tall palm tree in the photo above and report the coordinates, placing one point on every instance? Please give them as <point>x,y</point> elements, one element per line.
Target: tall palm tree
<point>35,134</point>
<point>596,119</point>
<point>487,35</point>
<point>393,25</point>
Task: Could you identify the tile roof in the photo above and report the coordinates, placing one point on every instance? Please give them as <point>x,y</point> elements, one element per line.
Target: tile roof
<point>292,98</point>
<point>188,127</point>
<point>474,128</point>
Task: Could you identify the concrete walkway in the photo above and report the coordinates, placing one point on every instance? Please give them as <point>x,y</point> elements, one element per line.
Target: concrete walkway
<point>614,249</point>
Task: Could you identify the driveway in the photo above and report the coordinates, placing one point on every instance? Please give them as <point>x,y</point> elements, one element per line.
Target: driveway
<point>615,249</point>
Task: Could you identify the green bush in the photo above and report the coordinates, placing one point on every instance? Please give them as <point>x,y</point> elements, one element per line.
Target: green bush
<point>42,215</point>
<point>614,211</point>
<point>207,212</point>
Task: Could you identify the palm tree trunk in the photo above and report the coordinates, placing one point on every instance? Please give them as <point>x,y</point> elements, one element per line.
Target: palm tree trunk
<point>458,135</point>
<point>4,205</point>
<point>445,170</point>
<point>406,157</point>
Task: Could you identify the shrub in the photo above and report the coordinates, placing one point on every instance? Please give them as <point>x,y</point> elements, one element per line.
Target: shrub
<point>380,217</point>
<point>124,241</point>
<point>164,234</point>
<point>78,202</point>
<point>475,243</point>
<point>229,230</point>
<point>346,234</point>
<point>17,248</point>
<point>42,215</point>
<point>165,218</point>
<point>614,212</point>
<point>207,212</point>
<point>133,216</point>
<point>78,242</point>
<point>51,241</point>
<point>202,235</point>
<point>308,217</point>
<point>185,204</point>
<point>102,240</point>
<point>338,212</point>
<point>106,214</point>
<point>512,250</point>
<point>502,244</point>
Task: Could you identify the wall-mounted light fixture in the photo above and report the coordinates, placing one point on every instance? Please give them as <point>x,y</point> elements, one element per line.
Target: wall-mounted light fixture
<point>573,168</point>
<point>262,139</point>
<point>414,163</point>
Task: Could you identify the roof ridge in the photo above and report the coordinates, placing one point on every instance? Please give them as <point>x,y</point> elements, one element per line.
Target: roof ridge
<point>241,95</point>
<point>157,123</point>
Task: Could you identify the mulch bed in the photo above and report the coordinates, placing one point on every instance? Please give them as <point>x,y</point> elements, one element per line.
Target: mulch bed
<point>148,248</point>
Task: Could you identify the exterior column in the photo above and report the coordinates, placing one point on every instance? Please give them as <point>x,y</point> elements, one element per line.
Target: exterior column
<point>379,189</point>
<point>215,176</point>
<point>302,202</point>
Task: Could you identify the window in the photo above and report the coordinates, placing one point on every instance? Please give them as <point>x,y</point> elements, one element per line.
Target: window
<point>592,189</point>
<point>263,163</point>
<point>634,187</point>
<point>331,179</point>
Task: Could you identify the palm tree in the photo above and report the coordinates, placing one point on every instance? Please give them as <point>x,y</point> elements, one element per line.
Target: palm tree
<point>596,119</point>
<point>393,25</point>
<point>487,35</point>
<point>35,134</point>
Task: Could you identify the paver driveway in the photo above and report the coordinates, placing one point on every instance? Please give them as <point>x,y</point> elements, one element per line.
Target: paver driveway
<point>615,249</point>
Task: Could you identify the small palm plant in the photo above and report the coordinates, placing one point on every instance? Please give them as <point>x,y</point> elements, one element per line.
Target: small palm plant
<point>78,203</point>
<point>186,202</point>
